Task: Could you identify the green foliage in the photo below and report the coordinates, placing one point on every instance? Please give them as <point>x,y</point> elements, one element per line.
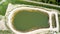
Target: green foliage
<point>3,8</point>
<point>0,0</point>
<point>6,32</point>
<point>47,1</point>
<point>4,5</point>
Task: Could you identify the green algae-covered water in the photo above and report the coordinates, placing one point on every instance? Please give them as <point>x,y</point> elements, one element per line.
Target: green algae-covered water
<point>29,20</point>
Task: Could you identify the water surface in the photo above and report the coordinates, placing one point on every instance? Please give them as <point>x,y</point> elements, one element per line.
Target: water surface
<point>29,20</point>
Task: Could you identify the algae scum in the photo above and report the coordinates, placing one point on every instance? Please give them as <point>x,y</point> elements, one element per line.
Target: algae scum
<point>29,20</point>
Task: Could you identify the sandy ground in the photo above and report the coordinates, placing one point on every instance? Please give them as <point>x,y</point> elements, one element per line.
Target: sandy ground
<point>2,23</point>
